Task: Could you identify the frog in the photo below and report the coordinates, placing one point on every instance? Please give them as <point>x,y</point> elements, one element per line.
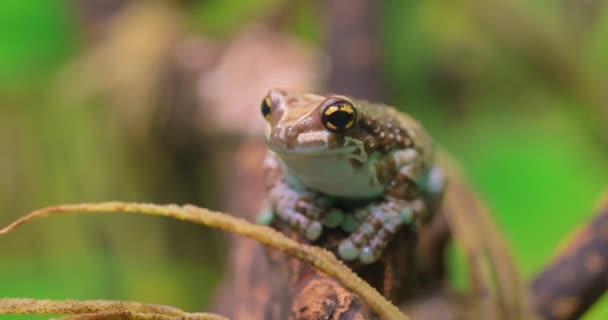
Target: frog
<point>338,162</point>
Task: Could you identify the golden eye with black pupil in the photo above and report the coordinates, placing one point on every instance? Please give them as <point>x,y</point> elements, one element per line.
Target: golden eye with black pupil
<point>266,107</point>
<point>338,116</point>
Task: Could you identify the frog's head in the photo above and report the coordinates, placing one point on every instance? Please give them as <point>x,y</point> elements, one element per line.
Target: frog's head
<point>320,140</point>
<point>308,123</point>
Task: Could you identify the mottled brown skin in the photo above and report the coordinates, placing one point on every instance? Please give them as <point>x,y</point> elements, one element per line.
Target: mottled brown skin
<point>579,275</point>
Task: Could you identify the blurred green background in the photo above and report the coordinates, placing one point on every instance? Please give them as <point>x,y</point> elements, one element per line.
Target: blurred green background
<point>523,121</point>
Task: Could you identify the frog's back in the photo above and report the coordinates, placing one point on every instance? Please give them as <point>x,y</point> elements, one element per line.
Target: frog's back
<point>387,114</point>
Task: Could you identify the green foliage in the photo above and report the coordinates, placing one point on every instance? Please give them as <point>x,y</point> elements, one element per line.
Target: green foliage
<point>35,36</point>
<point>527,145</point>
<point>221,18</point>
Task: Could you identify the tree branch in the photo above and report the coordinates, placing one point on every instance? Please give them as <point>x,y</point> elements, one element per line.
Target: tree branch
<point>577,277</point>
<point>354,49</point>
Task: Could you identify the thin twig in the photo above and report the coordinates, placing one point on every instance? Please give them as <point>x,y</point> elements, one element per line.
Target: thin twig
<point>98,309</point>
<point>320,258</point>
<point>575,280</point>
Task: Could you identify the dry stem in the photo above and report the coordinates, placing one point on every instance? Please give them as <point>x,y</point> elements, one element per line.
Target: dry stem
<point>321,259</point>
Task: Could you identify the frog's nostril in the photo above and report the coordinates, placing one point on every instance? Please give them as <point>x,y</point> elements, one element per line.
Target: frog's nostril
<point>291,132</point>
<point>277,94</point>
<point>278,138</point>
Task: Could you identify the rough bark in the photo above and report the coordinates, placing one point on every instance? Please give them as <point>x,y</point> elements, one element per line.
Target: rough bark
<point>578,277</point>
<point>354,49</point>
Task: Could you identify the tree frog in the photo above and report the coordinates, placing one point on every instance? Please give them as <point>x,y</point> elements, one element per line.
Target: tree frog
<point>339,162</point>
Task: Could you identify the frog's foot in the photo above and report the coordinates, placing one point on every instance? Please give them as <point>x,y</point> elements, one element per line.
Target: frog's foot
<point>302,213</point>
<point>310,228</point>
<point>369,240</point>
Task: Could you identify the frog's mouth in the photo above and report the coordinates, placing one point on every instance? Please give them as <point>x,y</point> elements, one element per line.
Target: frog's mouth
<point>314,151</point>
<point>352,149</point>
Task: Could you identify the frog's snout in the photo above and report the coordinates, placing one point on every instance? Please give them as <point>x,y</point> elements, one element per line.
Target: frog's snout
<point>285,137</point>
<point>291,132</point>
<point>277,94</point>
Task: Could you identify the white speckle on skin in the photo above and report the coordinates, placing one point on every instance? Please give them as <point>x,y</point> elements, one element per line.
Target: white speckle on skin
<point>291,132</point>
<point>313,136</point>
<point>405,156</point>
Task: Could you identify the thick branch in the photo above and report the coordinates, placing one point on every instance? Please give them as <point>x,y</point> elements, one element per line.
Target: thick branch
<point>577,278</point>
<point>354,49</point>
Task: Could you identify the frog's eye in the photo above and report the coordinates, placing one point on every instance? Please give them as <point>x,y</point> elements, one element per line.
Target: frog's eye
<point>266,107</point>
<point>338,116</point>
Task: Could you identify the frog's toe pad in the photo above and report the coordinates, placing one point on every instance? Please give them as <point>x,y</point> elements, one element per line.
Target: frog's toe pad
<point>333,218</point>
<point>314,231</point>
<point>367,256</point>
<point>348,251</point>
<point>265,217</point>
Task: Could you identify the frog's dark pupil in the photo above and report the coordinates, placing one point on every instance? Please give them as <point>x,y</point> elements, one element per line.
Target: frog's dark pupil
<point>340,118</point>
<point>265,108</point>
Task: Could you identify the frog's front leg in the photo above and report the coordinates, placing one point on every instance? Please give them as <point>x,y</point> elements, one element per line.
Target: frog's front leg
<point>382,222</point>
<point>401,205</point>
<point>301,210</point>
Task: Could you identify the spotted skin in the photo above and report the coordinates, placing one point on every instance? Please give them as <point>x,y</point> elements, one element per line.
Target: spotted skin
<point>367,164</point>
<point>578,276</point>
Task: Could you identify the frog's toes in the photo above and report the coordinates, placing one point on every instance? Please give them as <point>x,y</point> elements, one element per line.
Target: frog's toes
<point>324,201</point>
<point>314,230</point>
<point>406,217</point>
<point>367,255</point>
<point>333,218</point>
<point>349,223</point>
<point>265,217</point>
<point>348,251</point>
<point>436,181</point>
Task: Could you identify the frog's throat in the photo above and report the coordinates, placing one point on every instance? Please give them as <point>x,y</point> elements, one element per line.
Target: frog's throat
<point>344,172</point>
